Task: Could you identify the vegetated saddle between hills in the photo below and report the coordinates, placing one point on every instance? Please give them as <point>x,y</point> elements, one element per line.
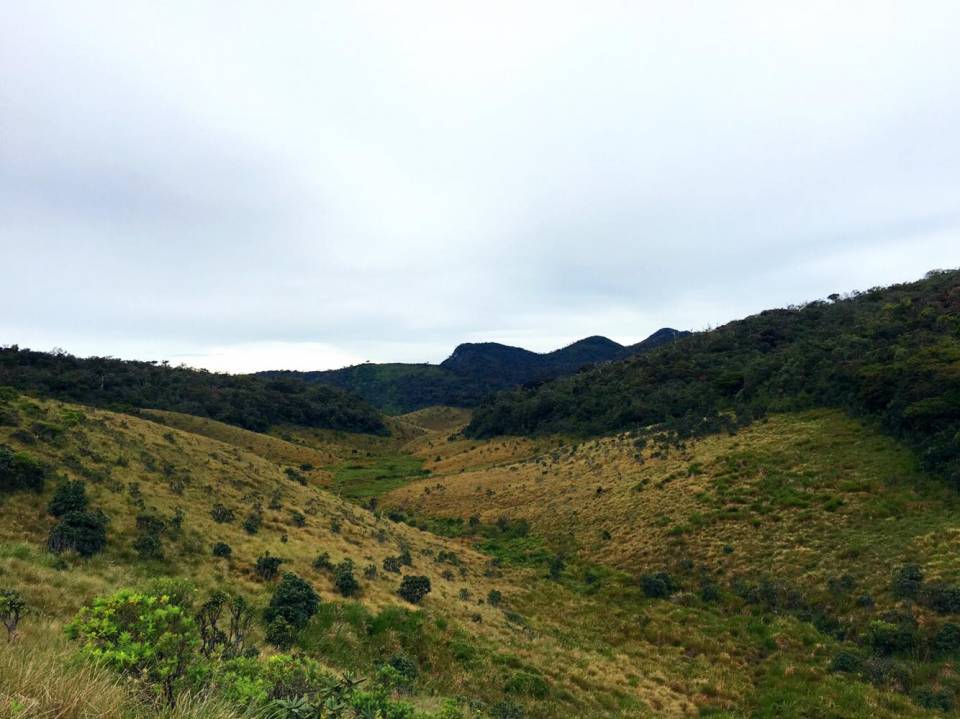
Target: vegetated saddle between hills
<point>473,371</point>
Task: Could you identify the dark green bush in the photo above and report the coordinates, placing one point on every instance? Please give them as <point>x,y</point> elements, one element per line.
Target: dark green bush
<point>323,563</point>
<point>222,549</point>
<point>148,546</point>
<point>414,588</point>
<point>251,524</point>
<point>20,472</point>
<point>658,585</point>
<point>391,564</point>
<point>928,698</point>
<point>494,598</point>
<point>344,580</point>
<point>947,640</point>
<point>907,582</point>
<point>298,519</point>
<point>294,600</point>
<point>83,532</point>
<point>221,514</point>
<point>268,567</point>
<point>69,496</point>
<point>847,662</point>
<point>941,597</point>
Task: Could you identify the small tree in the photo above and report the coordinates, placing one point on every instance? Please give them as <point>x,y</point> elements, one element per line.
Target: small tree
<point>907,581</point>
<point>414,588</point>
<point>12,608</point>
<point>83,532</point>
<point>294,600</point>
<point>70,496</point>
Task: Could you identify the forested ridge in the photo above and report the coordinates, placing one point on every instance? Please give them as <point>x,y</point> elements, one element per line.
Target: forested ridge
<point>889,353</point>
<point>252,402</point>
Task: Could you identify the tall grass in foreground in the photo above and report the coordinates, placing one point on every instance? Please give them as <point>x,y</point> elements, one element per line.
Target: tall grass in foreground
<point>40,679</point>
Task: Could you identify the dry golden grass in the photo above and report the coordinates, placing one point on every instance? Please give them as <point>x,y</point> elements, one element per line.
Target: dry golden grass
<point>803,496</point>
<point>609,653</point>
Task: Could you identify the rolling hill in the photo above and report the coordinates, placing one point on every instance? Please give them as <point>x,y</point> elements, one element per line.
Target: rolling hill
<point>471,373</point>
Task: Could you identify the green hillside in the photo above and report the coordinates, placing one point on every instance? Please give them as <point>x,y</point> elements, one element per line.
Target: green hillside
<point>889,354</point>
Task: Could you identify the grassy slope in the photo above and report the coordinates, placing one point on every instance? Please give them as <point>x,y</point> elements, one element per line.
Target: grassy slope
<point>804,495</point>
<point>587,674</point>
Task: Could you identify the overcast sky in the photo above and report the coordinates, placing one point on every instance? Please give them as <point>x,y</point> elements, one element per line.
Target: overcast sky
<point>253,185</point>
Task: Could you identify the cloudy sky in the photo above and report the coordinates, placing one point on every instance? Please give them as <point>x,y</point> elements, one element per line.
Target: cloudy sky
<point>252,185</point>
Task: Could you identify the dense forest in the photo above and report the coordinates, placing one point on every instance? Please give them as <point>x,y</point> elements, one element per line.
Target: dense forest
<point>891,354</point>
<point>255,403</point>
<point>472,372</point>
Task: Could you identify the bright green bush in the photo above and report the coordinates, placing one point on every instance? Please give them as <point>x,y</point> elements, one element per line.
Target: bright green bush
<point>144,636</point>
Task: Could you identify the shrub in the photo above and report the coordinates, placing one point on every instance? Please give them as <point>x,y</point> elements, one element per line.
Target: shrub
<point>658,585</point>
<point>528,684</point>
<point>267,567</point>
<point>414,588</point>
<point>148,546</point>
<point>83,532</point>
<point>251,524</point>
<point>281,633</point>
<point>494,598</point>
<point>221,514</point>
<point>322,562</point>
<point>947,640</point>
<point>222,549</point>
<point>298,519</point>
<point>142,635</point>
<point>294,600</point>
<point>344,580</point>
<point>391,564</point>
<point>19,471</point>
<point>931,699</point>
<point>69,496</point>
<point>889,638</point>
<point>847,662</point>
<point>370,571</point>
<point>907,582</point>
<point>12,608</point>
<point>941,597</point>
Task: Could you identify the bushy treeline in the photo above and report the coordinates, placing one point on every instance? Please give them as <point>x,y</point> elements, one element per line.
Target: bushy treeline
<point>247,401</point>
<point>891,353</point>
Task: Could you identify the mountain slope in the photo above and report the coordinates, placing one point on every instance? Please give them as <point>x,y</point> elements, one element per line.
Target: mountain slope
<point>892,354</point>
<point>472,372</point>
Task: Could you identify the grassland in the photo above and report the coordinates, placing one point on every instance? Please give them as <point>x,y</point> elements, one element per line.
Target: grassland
<point>582,641</point>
